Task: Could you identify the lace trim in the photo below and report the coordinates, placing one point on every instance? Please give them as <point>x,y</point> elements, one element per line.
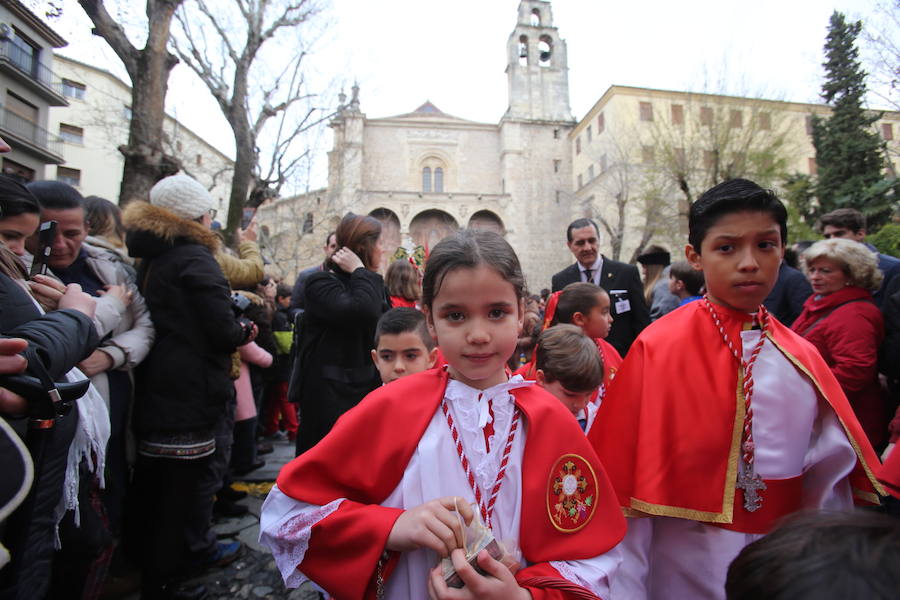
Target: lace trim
<point>567,572</point>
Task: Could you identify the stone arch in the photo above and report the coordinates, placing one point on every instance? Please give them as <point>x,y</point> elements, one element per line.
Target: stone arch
<point>432,168</point>
<point>485,220</point>
<point>391,239</point>
<point>535,17</point>
<point>523,50</point>
<point>545,50</point>
<point>431,226</point>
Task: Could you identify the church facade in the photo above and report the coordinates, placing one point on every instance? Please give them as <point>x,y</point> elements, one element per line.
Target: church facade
<point>426,174</point>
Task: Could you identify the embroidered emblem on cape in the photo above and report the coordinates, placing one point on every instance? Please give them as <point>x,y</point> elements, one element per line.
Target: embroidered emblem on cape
<point>571,493</point>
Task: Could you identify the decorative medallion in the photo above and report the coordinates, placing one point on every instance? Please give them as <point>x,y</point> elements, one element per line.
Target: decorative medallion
<point>571,493</point>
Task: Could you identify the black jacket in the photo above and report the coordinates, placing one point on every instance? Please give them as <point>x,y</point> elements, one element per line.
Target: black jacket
<point>184,383</point>
<point>786,299</point>
<point>623,284</point>
<point>334,368</point>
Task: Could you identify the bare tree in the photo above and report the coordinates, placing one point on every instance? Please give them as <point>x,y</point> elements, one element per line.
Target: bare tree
<point>148,68</point>
<point>222,46</point>
<point>881,35</point>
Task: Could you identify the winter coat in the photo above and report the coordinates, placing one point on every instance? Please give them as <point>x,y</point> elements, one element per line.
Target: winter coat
<point>244,270</point>
<point>334,368</point>
<point>847,328</point>
<point>183,385</point>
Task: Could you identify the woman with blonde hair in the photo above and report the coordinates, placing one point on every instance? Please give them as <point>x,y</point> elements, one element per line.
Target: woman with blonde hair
<point>843,322</point>
<point>655,267</point>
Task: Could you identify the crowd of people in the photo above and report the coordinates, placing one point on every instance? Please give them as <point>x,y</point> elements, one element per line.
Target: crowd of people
<point>628,433</point>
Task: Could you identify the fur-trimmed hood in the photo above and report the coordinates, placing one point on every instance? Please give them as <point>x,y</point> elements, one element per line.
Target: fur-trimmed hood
<point>153,230</point>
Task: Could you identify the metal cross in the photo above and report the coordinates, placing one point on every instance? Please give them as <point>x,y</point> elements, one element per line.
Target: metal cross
<point>751,483</point>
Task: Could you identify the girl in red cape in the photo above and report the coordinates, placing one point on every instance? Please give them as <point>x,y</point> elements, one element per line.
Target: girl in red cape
<point>370,511</point>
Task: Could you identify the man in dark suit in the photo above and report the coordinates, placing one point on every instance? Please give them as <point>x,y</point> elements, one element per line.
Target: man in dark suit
<point>786,299</point>
<point>620,280</point>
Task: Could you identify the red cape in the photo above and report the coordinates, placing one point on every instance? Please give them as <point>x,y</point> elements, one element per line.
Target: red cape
<point>669,428</point>
<point>364,458</point>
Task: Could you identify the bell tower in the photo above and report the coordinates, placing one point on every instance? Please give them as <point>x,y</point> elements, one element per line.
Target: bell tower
<point>537,68</point>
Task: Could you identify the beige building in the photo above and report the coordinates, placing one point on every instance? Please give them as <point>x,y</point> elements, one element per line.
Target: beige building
<point>28,88</point>
<point>94,125</point>
<point>627,163</point>
<point>426,173</point>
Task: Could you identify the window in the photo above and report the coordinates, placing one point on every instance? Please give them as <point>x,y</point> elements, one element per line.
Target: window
<point>578,145</point>
<point>426,180</point>
<point>438,180</point>
<point>591,173</point>
<point>556,134</point>
<point>765,121</point>
<point>24,54</point>
<point>813,166</point>
<point>545,50</point>
<point>809,125</point>
<point>71,134</point>
<point>17,171</point>
<point>646,111</point>
<point>706,116</point>
<point>887,131</point>
<point>590,136</point>
<point>580,181</point>
<point>736,118</point>
<point>73,89</point>
<point>308,223</point>
<point>199,159</point>
<point>601,124</point>
<point>523,50</point>
<point>21,108</point>
<point>677,114</point>
<point>535,17</point>
<point>647,154</point>
<point>67,175</point>
<point>178,145</point>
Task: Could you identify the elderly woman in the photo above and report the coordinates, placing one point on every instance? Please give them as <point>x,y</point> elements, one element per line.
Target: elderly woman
<point>842,321</point>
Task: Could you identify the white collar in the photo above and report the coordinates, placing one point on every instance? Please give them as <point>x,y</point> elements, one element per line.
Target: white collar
<point>595,268</point>
<point>458,391</point>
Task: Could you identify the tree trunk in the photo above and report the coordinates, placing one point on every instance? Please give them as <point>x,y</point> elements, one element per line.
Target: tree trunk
<point>244,161</point>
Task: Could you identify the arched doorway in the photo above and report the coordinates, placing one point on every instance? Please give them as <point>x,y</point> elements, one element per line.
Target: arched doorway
<point>485,220</point>
<point>390,234</point>
<point>431,226</point>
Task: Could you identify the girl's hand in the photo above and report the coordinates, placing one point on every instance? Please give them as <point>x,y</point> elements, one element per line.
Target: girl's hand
<point>431,525</point>
<point>498,584</point>
<point>347,260</point>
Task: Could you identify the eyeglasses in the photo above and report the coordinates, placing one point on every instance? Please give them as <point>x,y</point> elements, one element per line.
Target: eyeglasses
<point>212,213</point>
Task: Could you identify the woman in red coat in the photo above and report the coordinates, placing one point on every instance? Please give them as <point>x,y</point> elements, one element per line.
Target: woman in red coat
<point>843,322</point>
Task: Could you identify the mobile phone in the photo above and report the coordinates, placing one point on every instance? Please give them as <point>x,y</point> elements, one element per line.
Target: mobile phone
<point>46,233</point>
<point>246,216</point>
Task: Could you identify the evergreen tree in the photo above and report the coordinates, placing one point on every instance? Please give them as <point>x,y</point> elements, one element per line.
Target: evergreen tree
<point>848,150</point>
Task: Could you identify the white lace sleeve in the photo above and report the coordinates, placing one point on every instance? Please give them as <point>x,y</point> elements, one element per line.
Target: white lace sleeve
<point>285,526</point>
<point>593,574</point>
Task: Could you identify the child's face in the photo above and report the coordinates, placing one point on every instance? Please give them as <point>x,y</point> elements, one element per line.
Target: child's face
<point>401,354</point>
<point>283,301</point>
<point>597,322</point>
<point>740,257</point>
<point>574,401</point>
<point>475,318</point>
<point>673,285</point>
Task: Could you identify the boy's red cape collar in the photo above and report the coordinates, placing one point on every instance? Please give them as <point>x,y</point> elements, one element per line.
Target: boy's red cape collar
<point>365,456</point>
<point>668,431</point>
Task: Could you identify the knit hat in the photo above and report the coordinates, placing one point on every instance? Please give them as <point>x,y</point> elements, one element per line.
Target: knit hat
<point>183,195</point>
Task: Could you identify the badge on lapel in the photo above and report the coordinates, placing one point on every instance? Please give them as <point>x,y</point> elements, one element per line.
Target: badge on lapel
<point>571,493</point>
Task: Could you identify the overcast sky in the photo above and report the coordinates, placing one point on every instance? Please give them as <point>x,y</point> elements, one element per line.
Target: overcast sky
<point>404,52</point>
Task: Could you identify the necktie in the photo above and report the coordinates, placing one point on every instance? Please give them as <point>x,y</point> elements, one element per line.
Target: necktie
<point>587,276</point>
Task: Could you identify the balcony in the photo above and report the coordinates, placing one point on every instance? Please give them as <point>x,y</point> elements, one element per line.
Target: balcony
<point>20,63</point>
<point>27,136</point>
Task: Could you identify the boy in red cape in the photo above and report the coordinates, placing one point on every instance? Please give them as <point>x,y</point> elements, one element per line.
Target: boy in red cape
<point>721,420</point>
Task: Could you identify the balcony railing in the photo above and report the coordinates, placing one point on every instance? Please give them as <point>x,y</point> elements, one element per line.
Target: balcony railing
<point>24,60</point>
<point>30,132</point>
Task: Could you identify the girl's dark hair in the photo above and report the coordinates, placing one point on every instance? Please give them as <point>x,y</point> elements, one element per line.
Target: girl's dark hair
<point>469,249</point>
<point>103,218</point>
<point>736,195</point>
<point>578,297</point>
<point>360,234</point>
<point>16,199</point>
<point>402,280</point>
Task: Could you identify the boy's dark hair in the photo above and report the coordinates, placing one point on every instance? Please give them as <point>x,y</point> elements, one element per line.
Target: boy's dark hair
<point>403,320</point>
<point>736,195</point>
<point>545,293</point>
<point>846,218</point>
<point>469,249</point>
<point>565,354</point>
<point>578,224</point>
<point>283,291</point>
<point>821,556</point>
<point>692,279</point>
<point>578,297</point>
<point>16,199</point>
<point>56,195</point>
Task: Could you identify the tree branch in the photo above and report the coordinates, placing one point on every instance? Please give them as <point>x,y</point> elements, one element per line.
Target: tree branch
<point>107,28</point>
